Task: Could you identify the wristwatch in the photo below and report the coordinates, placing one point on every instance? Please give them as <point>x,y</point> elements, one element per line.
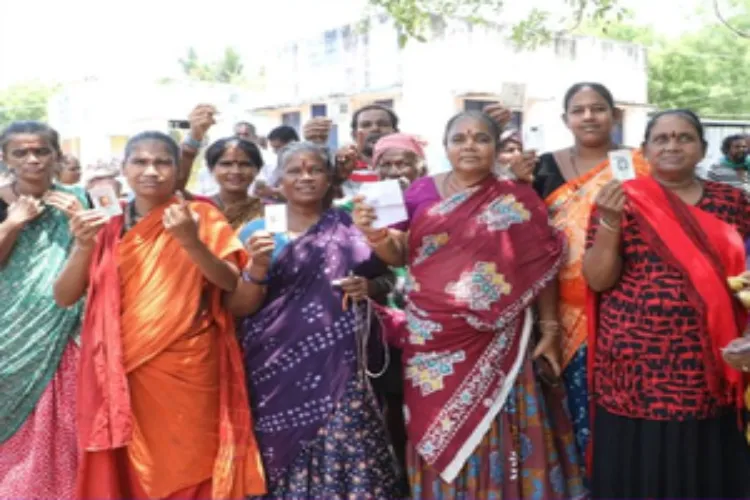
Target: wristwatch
<point>246,276</point>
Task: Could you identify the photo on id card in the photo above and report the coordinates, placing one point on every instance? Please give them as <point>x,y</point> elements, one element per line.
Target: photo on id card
<point>105,200</point>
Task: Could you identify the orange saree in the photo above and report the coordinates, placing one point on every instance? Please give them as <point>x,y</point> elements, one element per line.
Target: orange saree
<point>569,208</point>
<point>163,409</point>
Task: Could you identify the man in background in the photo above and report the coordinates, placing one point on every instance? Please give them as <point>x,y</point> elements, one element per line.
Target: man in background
<point>733,167</point>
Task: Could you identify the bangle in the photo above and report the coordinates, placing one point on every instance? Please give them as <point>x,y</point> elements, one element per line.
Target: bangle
<point>609,227</point>
<point>192,143</point>
<point>247,277</point>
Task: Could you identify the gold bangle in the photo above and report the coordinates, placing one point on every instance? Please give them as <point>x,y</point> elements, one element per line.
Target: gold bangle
<point>606,225</point>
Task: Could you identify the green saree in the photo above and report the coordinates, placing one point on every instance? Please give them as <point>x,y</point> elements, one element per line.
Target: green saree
<point>34,331</point>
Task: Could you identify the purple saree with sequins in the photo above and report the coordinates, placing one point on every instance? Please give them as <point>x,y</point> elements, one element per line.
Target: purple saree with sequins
<point>302,351</point>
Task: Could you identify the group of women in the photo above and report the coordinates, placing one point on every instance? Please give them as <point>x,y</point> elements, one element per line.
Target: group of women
<point>181,350</point>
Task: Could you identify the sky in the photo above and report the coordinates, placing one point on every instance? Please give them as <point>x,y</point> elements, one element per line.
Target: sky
<point>67,40</point>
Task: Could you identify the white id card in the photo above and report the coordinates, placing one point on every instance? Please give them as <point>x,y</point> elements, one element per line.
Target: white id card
<point>621,163</point>
<point>534,139</point>
<point>276,218</point>
<point>105,200</point>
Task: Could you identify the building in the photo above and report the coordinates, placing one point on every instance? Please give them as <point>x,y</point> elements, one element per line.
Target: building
<point>96,118</point>
<point>460,67</point>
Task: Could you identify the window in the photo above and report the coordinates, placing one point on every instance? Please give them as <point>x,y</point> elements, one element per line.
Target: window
<point>317,110</point>
<point>292,119</point>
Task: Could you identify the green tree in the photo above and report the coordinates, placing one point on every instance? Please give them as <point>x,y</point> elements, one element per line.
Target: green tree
<point>24,101</point>
<point>414,18</point>
<point>707,70</point>
<point>228,69</point>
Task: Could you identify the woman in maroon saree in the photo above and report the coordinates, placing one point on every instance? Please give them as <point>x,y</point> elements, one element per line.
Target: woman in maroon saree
<point>660,249</point>
<point>481,253</point>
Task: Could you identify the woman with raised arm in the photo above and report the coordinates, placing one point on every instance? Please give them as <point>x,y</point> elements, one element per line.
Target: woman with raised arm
<point>163,409</point>
<point>38,349</point>
<point>659,252</point>
<point>480,254</point>
<point>308,344</point>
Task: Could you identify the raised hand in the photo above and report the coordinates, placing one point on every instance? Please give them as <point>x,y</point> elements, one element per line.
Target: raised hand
<point>201,119</point>
<point>85,225</point>
<point>64,202</point>
<point>499,113</point>
<point>260,246</point>
<point>181,222</point>
<point>317,130</point>
<point>610,202</point>
<point>523,167</point>
<point>24,210</point>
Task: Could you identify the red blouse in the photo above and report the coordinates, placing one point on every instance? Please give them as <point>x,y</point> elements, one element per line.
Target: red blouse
<point>650,359</point>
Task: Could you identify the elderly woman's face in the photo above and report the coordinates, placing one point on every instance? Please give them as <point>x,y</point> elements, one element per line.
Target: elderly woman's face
<point>305,179</point>
<point>673,147</point>
<point>396,163</point>
<point>508,151</point>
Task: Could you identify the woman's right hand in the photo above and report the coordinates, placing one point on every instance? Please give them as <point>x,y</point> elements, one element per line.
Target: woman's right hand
<point>201,119</point>
<point>24,210</point>
<point>260,246</point>
<point>85,225</point>
<point>523,166</point>
<point>610,203</point>
<point>363,215</point>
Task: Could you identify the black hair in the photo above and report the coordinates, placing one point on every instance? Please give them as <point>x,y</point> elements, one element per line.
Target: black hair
<point>284,134</point>
<point>32,128</point>
<point>492,125</point>
<point>726,144</point>
<point>374,107</point>
<point>216,150</point>
<point>685,114</point>
<point>599,88</point>
<point>246,124</point>
<point>153,135</point>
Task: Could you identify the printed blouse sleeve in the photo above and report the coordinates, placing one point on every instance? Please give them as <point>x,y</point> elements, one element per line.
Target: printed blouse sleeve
<point>593,227</point>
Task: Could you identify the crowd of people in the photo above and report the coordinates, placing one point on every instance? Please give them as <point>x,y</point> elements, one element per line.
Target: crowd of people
<point>535,328</point>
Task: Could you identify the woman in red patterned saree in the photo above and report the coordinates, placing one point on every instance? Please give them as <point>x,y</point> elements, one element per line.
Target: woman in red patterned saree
<point>660,249</point>
<point>481,253</point>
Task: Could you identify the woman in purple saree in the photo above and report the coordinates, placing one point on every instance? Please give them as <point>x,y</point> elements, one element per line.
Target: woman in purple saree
<point>306,346</point>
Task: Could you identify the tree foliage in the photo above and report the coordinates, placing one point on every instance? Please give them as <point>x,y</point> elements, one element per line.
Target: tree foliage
<point>227,69</point>
<point>706,70</point>
<point>24,101</point>
<point>414,18</point>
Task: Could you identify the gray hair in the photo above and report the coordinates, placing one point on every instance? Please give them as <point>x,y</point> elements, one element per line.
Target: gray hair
<point>291,150</point>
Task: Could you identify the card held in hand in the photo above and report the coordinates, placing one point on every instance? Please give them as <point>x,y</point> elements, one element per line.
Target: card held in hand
<point>276,218</point>
<point>621,163</point>
<point>105,200</point>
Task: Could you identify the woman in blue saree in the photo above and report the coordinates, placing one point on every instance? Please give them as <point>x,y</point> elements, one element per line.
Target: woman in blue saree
<point>305,339</point>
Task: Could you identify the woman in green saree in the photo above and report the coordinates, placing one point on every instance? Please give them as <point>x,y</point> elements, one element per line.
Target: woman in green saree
<point>38,352</point>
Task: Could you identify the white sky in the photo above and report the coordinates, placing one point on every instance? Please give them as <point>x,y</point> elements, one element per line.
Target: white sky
<point>64,40</point>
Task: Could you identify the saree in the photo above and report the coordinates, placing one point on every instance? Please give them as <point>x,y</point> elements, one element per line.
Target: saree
<point>477,261</point>
<point>303,348</point>
<point>163,407</point>
<point>38,363</point>
<point>569,209</point>
<point>706,250</point>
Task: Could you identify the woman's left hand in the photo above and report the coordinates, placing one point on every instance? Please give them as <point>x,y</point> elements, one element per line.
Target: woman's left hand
<point>523,167</point>
<point>356,287</point>
<point>737,354</point>
<point>549,347</point>
<point>64,202</point>
<point>181,222</point>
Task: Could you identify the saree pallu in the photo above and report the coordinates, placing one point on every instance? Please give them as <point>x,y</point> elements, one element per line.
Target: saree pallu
<point>569,209</point>
<point>302,351</point>
<point>477,261</point>
<point>34,336</point>
<point>163,407</point>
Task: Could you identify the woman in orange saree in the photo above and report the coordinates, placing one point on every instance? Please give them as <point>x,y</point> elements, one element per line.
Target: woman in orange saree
<point>568,180</point>
<point>163,409</point>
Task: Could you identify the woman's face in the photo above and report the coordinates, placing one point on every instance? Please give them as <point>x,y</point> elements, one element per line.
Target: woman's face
<point>305,179</point>
<point>589,117</point>
<point>471,146</point>
<point>234,172</point>
<point>31,157</point>
<point>674,148</point>
<point>396,163</point>
<point>151,170</point>
<point>70,171</point>
<point>508,151</point>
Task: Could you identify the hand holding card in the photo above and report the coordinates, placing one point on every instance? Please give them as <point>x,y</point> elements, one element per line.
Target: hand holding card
<point>105,200</point>
<point>387,199</point>
<point>276,218</point>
